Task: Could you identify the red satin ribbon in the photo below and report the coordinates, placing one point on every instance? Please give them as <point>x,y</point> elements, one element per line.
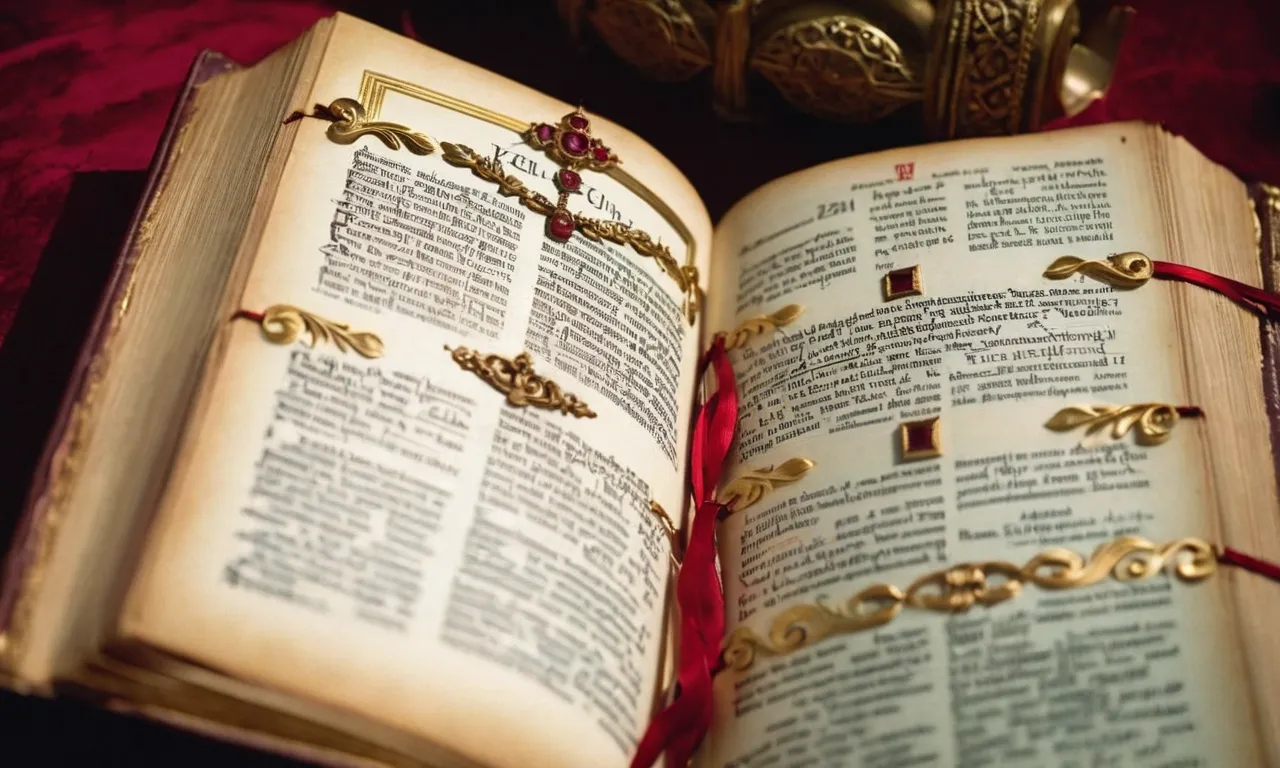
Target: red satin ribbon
<point>1229,556</point>
<point>679,728</point>
<point>1263,302</point>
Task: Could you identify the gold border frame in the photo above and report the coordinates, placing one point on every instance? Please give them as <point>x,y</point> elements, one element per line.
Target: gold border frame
<point>374,87</point>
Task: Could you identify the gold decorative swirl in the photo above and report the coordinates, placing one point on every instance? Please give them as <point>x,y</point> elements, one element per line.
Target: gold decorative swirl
<point>804,625</point>
<point>490,169</point>
<point>960,587</point>
<point>350,123</point>
<point>1120,270</point>
<point>518,381</point>
<point>285,324</point>
<point>673,533</point>
<point>1154,421</point>
<point>761,324</point>
<point>751,487</point>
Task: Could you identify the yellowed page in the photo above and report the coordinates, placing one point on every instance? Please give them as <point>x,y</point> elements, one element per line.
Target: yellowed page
<point>389,537</point>
<point>1115,674</point>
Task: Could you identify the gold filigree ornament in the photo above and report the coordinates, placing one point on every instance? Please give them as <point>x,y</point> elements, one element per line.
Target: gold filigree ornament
<point>761,325</point>
<point>350,123</point>
<point>490,169</point>
<point>1120,270</point>
<point>1152,422</point>
<point>960,587</point>
<point>285,324</point>
<point>751,487</point>
<point>517,380</point>
<point>672,533</point>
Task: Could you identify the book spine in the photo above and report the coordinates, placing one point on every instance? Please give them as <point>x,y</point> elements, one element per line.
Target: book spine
<point>1266,208</point>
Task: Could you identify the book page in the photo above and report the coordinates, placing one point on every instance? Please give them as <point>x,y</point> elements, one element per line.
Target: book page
<point>1137,673</point>
<point>390,537</point>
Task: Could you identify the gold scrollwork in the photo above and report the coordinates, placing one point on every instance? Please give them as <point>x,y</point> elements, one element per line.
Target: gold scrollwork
<point>1154,421</point>
<point>350,123</point>
<point>517,380</point>
<point>1120,270</point>
<point>761,324</point>
<point>669,528</point>
<point>490,169</point>
<point>660,37</point>
<point>751,487</point>
<point>285,324</point>
<point>838,67</point>
<point>960,587</point>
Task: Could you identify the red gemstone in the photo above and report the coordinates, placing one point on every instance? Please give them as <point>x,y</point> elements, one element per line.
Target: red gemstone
<point>920,439</point>
<point>545,132</point>
<point>568,181</point>
<point>574,143</point>
<point>578,122</point>
<point>902,282</point>
<point>601,154</point>
<point>560,226</point>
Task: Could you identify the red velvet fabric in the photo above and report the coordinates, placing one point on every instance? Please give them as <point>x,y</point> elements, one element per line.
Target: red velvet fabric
<point>88,87</point>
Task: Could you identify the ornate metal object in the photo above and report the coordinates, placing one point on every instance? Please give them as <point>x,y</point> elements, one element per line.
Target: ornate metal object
<point>285,324</point>
<point>1120,270</point>
<point>751,487</point>
<point>570,145</point>
<point>517,380</point>
<point>760,325</point>
<point>1153,421</point>
<point>665,39</point>
<point>350,123</point>
<point>673,533</point>
<point>959,588</point>
<point>920,439</point>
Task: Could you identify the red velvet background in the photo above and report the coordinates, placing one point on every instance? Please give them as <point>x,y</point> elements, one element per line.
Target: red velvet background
<point>86,88</point>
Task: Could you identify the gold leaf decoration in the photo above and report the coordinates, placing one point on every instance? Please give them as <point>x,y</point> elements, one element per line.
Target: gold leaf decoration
<point>761,324</point>
<point>960,587</point>
<point>350,123</point>
<point>751,487</point>
<point>1154,421</point>
<point>285,324</point>
<point>1121,270</point>
<point>518,381</point>
<point>490,169</point>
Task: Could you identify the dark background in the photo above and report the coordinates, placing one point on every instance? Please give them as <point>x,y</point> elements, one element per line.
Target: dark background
<point>87,87</point>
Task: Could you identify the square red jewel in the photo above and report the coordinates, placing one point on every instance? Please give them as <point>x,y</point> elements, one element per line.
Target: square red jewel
<point>921,439</point>
<point>903,282</point>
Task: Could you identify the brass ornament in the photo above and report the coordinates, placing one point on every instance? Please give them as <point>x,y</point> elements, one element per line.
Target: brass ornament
<point>1153,421</point>
<point>1121,270</point>
<point>920,439</point>
<point>285,324</point>
<point>752,486</point>
<point>665,39</point>
<point>960,587</point>
<point>491,170</point>
<point>760,325</point>
<point>350,123</point>
<point>904,282</point>
<point>517,380</point>
<point>840,67</point>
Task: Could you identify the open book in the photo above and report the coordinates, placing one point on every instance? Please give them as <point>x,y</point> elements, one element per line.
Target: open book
<point>363,465</point>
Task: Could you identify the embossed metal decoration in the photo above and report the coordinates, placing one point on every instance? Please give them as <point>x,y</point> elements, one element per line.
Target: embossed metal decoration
<point>1152,422</point>
<point>839,67</point>
<point>350,123</point>
<point>1121,270</point>
<point>285,324</point>
<point>904,282</point>
<point>490,169</point>
<point>666,39</point>
<point>571,145</point>
<point>920,439</point>
<point>752,486</point>
<point>517,380</point>
<point>960,587</point>
<point>669,528</point>
<point>760,325</point>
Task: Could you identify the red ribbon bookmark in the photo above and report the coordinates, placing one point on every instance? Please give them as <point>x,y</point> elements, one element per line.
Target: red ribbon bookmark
<point>680,728</point>
<point>1263,302</point>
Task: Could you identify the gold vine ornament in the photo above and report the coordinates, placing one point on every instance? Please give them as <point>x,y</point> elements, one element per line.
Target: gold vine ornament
<point>490,169</point>
<point>518,381</point>
<point>1152,422</point>
<point>350,122</point>
<point>959,588</point>
<point>761,325</point>
<point>1121,270</point>
<point>752,486</point>
<point>285,324</point>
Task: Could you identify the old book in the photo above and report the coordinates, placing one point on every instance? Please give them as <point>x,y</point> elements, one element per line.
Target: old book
<point>362,465</point>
